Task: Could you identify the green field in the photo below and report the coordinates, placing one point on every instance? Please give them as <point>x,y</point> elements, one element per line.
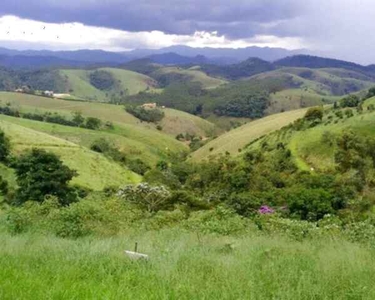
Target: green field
<point>184,266</point>
<point>238,138</point>
<point>174,122</point>
<point>94,170</point>
<point>78,83</point>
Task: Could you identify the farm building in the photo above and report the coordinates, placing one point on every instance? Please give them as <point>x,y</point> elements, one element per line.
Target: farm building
<point>149,105</point>
<point>48,93</point>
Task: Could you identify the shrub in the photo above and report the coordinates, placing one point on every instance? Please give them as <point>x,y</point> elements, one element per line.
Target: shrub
<point>314,113</point>
<point>220,220</point>
<point>148,115</point>
<point>151,198</point>
<point>138,166</point>
<point>103,146</point>
<point>310,204</point>
<point>4,146</point>
<point>349,101</point>
<point>93,123</point>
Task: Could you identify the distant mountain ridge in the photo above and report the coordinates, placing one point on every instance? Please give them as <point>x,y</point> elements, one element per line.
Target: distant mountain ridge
<point>168,55</point>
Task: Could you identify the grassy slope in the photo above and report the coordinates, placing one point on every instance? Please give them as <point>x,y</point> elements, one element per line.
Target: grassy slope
<point>184,267</point>
<point>194,75</point>
<point>175,121</point>
<point>307,146</point>
<point>236,139</point>
<point>95,171</point>
<point>315,87</point>
<point>147,145</point>
<point>79,82</point>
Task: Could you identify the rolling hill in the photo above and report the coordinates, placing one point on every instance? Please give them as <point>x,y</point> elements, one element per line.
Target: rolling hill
<point>310,149</point>
<point>173,123</point>
<point>94,170</point>
<point>168,75</point>
<point>235,140</point>
<point>80,84</point>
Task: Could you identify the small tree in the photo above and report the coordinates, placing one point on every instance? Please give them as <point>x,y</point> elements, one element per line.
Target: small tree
<point>151,198</point>
<point>39,174</point>
<point>78,119</point>
<point>350,101</point>
<point>93,123</point>
<point>4,146</point>
<point>314,113</point>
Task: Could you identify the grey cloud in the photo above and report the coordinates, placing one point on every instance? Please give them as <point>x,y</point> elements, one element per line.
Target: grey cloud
<point>239,18</point>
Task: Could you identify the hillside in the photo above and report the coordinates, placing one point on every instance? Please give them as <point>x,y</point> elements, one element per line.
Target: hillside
<point>121,82</point>
<point>172,125</point>
<point>168,75</point>
<point>314,148</point>
<point>94,170</point>
<point>236,139</point>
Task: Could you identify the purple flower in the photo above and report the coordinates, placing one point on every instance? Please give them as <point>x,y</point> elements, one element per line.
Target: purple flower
<point>264,209</point>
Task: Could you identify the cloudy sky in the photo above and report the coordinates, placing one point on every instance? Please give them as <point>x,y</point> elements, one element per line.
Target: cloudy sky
<point>338,28</point>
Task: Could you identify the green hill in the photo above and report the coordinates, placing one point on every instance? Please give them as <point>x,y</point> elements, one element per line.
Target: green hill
<point>238,138</point>
<point>173,123</point>
<point>314,148</point>
<point>94,170</point>
<point>168,75</point>
<point>81,83</point>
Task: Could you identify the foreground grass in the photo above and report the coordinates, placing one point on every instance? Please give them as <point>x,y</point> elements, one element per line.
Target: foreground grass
<point>184,266</point>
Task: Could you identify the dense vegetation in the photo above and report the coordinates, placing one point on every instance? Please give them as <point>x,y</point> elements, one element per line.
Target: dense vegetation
<point>102,80</point>
<point>153,115</point>
<point>77,120</point>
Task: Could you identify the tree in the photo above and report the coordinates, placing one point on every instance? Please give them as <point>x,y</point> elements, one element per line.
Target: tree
<point>78,119</point>
<point>40,173</point>
<point>349,101</point>
<point>310,204</point>
<point>152,198</point>
<point>314,113</point>
<point>4,146</point>
<point>93,123</point>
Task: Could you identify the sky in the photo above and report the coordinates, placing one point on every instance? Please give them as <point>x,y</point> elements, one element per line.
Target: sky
<point>337,28</point>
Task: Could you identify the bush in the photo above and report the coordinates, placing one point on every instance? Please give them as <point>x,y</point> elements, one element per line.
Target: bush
<point>349,101</point>
<point>150,198</point>
<point>138,166</point>
<point>148,115</point>
<point>93,123</point>
<point>310,204</point>
<point>220,220</point>
<point>4,146</point>
<point>314,113</point>
<point>103,146</point>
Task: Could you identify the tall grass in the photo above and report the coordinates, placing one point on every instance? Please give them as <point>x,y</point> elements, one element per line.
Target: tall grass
<point>183,265</point>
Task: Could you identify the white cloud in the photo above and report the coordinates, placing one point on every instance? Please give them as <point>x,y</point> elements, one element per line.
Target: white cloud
<point>73,36</point>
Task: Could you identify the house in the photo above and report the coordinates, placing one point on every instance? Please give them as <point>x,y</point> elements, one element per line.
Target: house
<point>149,105</point>
<point>48,93</point>
<point>23,89</point>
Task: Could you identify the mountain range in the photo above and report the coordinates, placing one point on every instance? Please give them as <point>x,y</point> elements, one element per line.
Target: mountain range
<point>168,55</point>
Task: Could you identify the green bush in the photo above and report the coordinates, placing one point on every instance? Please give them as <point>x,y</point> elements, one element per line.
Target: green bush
<point>314,113</point>
<point>147,197</point>
<point>39,174</point>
